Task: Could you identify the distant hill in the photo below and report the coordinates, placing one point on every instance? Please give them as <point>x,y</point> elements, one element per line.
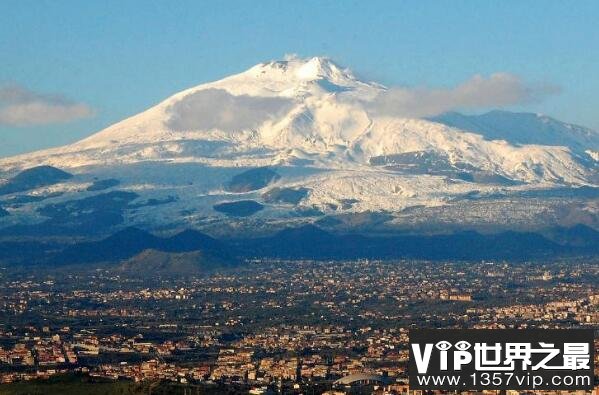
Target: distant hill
<point>130,242</point>
<point>35,177</point>
<point>152,262</point>
<point>311,242</point>
<point>191,251</point>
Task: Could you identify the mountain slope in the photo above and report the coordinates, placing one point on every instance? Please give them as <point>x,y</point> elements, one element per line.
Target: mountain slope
<point>524,128</point>
<point>281,111</point>
<point>300,125</point>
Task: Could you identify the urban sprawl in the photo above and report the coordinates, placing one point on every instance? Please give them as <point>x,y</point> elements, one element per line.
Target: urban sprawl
<point>273,326</point>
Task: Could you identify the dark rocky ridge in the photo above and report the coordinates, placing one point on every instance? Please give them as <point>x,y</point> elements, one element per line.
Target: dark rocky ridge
<point>251,180</point>
<point>100,185</point>
<point>241,208</point>
<point>35,177</point>
<point>285,195</point>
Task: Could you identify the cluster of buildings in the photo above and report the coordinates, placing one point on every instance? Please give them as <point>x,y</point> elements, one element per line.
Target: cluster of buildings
<point>275,324</point>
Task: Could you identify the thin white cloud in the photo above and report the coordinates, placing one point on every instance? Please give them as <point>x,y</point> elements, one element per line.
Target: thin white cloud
<point>218,109</point>
<point>22,107</point>
<point>498,90</point>
<point>291,56</point>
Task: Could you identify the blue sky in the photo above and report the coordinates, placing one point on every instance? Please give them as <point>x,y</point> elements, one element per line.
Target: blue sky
<point>111,59</point>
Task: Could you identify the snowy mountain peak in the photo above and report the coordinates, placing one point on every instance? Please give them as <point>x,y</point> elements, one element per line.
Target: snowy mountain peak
<point>310,69</point>
<point>299,138</point>
<point>314,112</point>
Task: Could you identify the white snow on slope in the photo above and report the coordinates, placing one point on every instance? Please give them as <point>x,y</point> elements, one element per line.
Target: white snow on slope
<point>304,114</point>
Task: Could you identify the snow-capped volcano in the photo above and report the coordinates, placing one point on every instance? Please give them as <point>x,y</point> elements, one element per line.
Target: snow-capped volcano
<point>325,148</point>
